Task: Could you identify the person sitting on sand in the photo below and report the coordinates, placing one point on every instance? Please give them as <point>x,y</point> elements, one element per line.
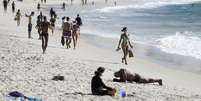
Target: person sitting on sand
<point>123,75</point>
<point>124,41</point>
<point>97,85</point>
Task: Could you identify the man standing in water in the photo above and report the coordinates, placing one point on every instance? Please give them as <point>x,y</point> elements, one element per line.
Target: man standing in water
<point>29,24</point>
<point>44,35</point>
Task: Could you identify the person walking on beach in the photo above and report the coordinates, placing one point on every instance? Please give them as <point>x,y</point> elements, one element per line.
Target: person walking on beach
<point>29,24</point>
<point>67,28</point>
<point>75,33</point>
<point>18,17</point>
<point>78,20</point>
<point>13,6</point>
<point>44,33</point>
<point>38,6</point>
<point>51,12</point>
<point>52,23</point>
<point>5,4</point>
<point>64,6</point>
<point>38,26</point>
<point>97,85</point>
<point>124,41</point>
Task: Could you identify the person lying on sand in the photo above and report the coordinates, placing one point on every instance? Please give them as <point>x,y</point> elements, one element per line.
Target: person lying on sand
<point>97,85</point>
<point>123,75</point>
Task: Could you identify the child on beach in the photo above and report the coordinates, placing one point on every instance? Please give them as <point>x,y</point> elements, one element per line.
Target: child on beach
<point>124,41</point>
<point>97,85</point>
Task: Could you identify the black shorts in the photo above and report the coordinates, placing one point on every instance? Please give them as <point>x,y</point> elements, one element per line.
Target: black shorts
<point>44,34</point>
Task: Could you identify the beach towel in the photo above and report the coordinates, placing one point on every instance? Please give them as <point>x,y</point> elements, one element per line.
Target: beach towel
<point>15,95</point>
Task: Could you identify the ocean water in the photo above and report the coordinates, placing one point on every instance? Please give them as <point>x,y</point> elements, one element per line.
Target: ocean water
<point>171,27</point>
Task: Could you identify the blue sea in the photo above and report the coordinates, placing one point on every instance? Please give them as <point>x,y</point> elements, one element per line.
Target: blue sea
<point>163,31</point>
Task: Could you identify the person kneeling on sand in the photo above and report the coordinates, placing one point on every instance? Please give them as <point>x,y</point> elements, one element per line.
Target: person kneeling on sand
<point>97,85</point>
<point>123,75</point>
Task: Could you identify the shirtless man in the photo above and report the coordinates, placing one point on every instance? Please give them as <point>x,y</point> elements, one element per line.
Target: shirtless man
<point>67,32</point>
<point>123,75</point>
<point>44,35</point>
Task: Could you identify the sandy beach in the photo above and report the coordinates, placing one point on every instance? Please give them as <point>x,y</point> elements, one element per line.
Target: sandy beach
<point>24,68</point>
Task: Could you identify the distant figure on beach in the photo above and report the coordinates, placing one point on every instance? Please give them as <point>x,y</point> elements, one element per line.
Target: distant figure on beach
<point>30,23</point>
<point>93,3</point>
<point>52,23</point>
<point>18,17</point>
<point>13,6</point>
<point>38,26</point>
<point>97,85</point>
<point>85,2</point>
<point>125,43</point>
<point>44,34</point>
<point>78,20</point>
<point>67,32</point>
<point>64,6</point>
<point>71,2</point>
<point>45,1</point>
<point>106,1</point>
<point>123,75</point>
<point>42,1</point>
<point>75,33</point>
<point>5,4</point>
<point>115,3</point>
<point>38,6</point>
<point>52,13</point>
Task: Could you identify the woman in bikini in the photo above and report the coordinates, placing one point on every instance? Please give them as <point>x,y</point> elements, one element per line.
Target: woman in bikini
<point>124,41</point>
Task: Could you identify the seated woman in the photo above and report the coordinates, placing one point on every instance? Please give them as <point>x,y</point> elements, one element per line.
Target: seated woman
<point>123,75</point>
<point>97,85</point>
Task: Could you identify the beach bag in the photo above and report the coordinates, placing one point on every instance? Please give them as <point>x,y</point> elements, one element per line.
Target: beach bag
<point>130,53</point>
<point>62,40</point>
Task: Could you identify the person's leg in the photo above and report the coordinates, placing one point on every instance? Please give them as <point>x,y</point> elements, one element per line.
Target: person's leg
<point>43,43</point>
<point>46,40</point>
<point>150,80</point>
<point>126,54</point>
<point>74,40</point>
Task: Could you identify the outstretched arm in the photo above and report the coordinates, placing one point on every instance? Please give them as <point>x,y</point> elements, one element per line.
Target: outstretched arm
<point>120,41</point>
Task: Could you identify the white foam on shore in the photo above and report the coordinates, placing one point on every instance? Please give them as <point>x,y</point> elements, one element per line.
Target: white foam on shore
<point>185,44</point>
<point>146,5</point>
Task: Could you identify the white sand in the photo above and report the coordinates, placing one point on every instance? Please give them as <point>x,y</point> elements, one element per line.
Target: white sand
<point>24,68</point>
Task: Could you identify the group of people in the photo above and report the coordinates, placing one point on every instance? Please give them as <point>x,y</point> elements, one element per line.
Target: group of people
<point>5,5</point>
<point>99,88</point>
<point>71,30</point>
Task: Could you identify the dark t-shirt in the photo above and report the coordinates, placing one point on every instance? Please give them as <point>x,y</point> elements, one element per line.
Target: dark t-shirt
<point>79,21</point>
<point>97,85</point>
